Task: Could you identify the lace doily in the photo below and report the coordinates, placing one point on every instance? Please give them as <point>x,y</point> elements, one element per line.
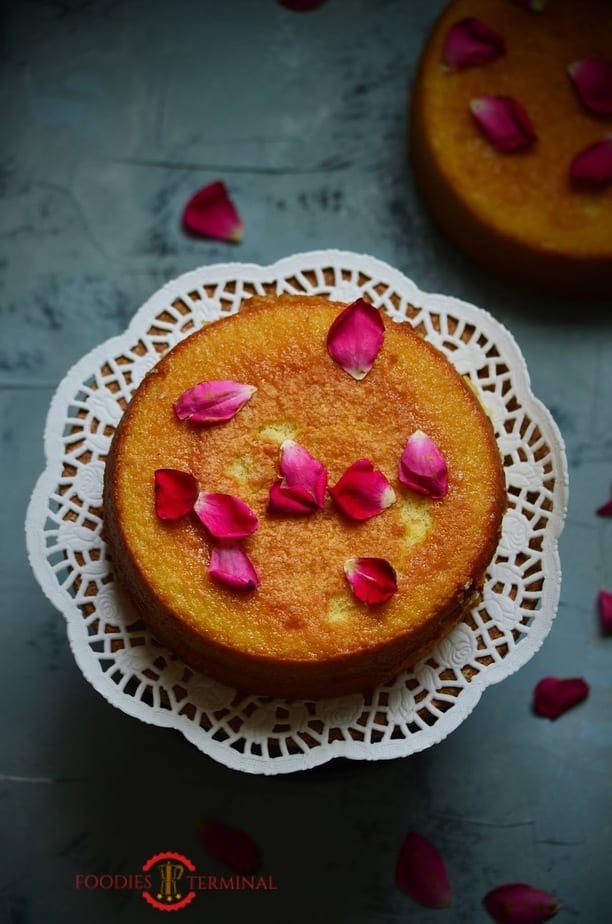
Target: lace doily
<point>257,734</point>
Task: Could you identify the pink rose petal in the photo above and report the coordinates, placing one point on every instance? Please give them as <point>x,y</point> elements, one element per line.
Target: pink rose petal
<point>534,6</point>
<point>355,338</point>
<point>232,566</point>
<point>517,903</point>
<point>552,697</point>
<point>422,467</point>
<point>301,6</point>
<point>230,845</point>
<point>593,81</point>
<point>225,516</point>
<point>211,213</point>
<point>175,493</point>
<point>605,609</point>
<point>362,491</point>
<point>373,580</point>
<point>504,122</point>
<point>302,489</point>
<point>421,873</point>
<point>592,167</point>
<point>470,42</point>
<point>212,402</point>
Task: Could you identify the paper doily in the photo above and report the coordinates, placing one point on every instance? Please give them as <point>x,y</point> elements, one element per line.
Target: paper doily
<point>122,660</point>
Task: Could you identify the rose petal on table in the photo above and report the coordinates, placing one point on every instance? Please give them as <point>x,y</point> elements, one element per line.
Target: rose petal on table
<point>175,493</point>
<point>592,166</point>
<point>355,338</point>
<point>518,903</point>
<point>605,510</point>
<point>212,402</point>
<point>225,516</point>
<point>372,580</point>
<point>421,873</point>
<point>232,566</point>
<point>423,467</point>
<point>471,42</point>
<point>232,846</point>
<point>552,696</point>
<point>534,6</point>
<point>605,609</point>
<point>211,213</point>
<point>301,470</point>
<point>362,491</point>
<point>505,123</point>
<point>592,78</point>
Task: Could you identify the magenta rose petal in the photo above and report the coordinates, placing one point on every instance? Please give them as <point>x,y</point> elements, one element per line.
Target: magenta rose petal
<point>225,516</point>
<point>211,213</point>
<point>372,580</point>
<point>232,846</point>
<point>592,166</point>
<point>505,123</point>
<point>232,566</point>
<point>518,903</point>
<point>362,491</point>
<point>605,510</point>
<point>605,609</point>
<point>175,493</point>
<point>534,6</point>
<point>355,338</point>
<point>423,467</point>
<point>301,470</point>
<point>290,501</point>
<point>592,78</point>
<point>471,42</point>
<point>212,402</point>
<point>421,873</point>
<point>552,697</point>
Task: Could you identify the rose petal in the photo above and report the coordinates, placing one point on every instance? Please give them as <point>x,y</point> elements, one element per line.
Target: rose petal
<point>605,510</point>
<point>225,516</point>
<point>301,6</point>
<point>592,167</point>
<point>355,338</point>
<point>553,697</point>
<point>517,903</point>
<point>211,213</point>
<point>373,580</point>
<point>504,122</point>
<point>230,845</point>
<point>212,402</point>
<point>232,566</point>
<point>362,491</point>
<point>175,493</point>
<point>290,501</point>
<point>605,609</point>
<point>470,41</point>
<point>421,873</point>
<point>422,466</point>
<point>593,81</point>
<point>535,6</point>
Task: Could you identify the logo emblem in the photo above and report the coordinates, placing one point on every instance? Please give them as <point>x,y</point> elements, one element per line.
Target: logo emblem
<point>169,889</point>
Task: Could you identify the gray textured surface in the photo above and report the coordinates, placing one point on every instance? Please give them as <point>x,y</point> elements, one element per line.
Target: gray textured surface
<point>112,114</point>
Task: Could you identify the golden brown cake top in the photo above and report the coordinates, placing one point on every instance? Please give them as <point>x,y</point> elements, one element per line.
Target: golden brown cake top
<point>303,608</point>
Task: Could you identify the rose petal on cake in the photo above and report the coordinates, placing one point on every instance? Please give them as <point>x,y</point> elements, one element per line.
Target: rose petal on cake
<point>232,566</point>
<point>423,467</point>
<point>301,470</point>
<point>552,697</point>
<point>534,6</point>
<point>211,213</point>
<point>421,873</point>
<point>592,78</point>
<point>355,338</point>
<point>373,580</point>
<point>505,123</point>
<point>518,903</point>
<point>290,501</point>
<point>212,402</point>
<point>471,42</point>
<point>362,491</point>
<point>592,166</point>
<point>301,6</point>
<point>605,609</point>
<point>225,516</point>
<point>232,846</point>
<point>175,493</point>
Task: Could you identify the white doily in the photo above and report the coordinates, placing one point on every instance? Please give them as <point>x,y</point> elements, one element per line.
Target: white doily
<point>131,670</point>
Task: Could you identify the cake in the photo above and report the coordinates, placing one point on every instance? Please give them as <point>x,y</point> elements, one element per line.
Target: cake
<point>518,212</point>
<point>303,632</point>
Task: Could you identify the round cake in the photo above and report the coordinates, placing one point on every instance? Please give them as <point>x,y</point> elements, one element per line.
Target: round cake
<point>518,212</point>
<point>303,631</point>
